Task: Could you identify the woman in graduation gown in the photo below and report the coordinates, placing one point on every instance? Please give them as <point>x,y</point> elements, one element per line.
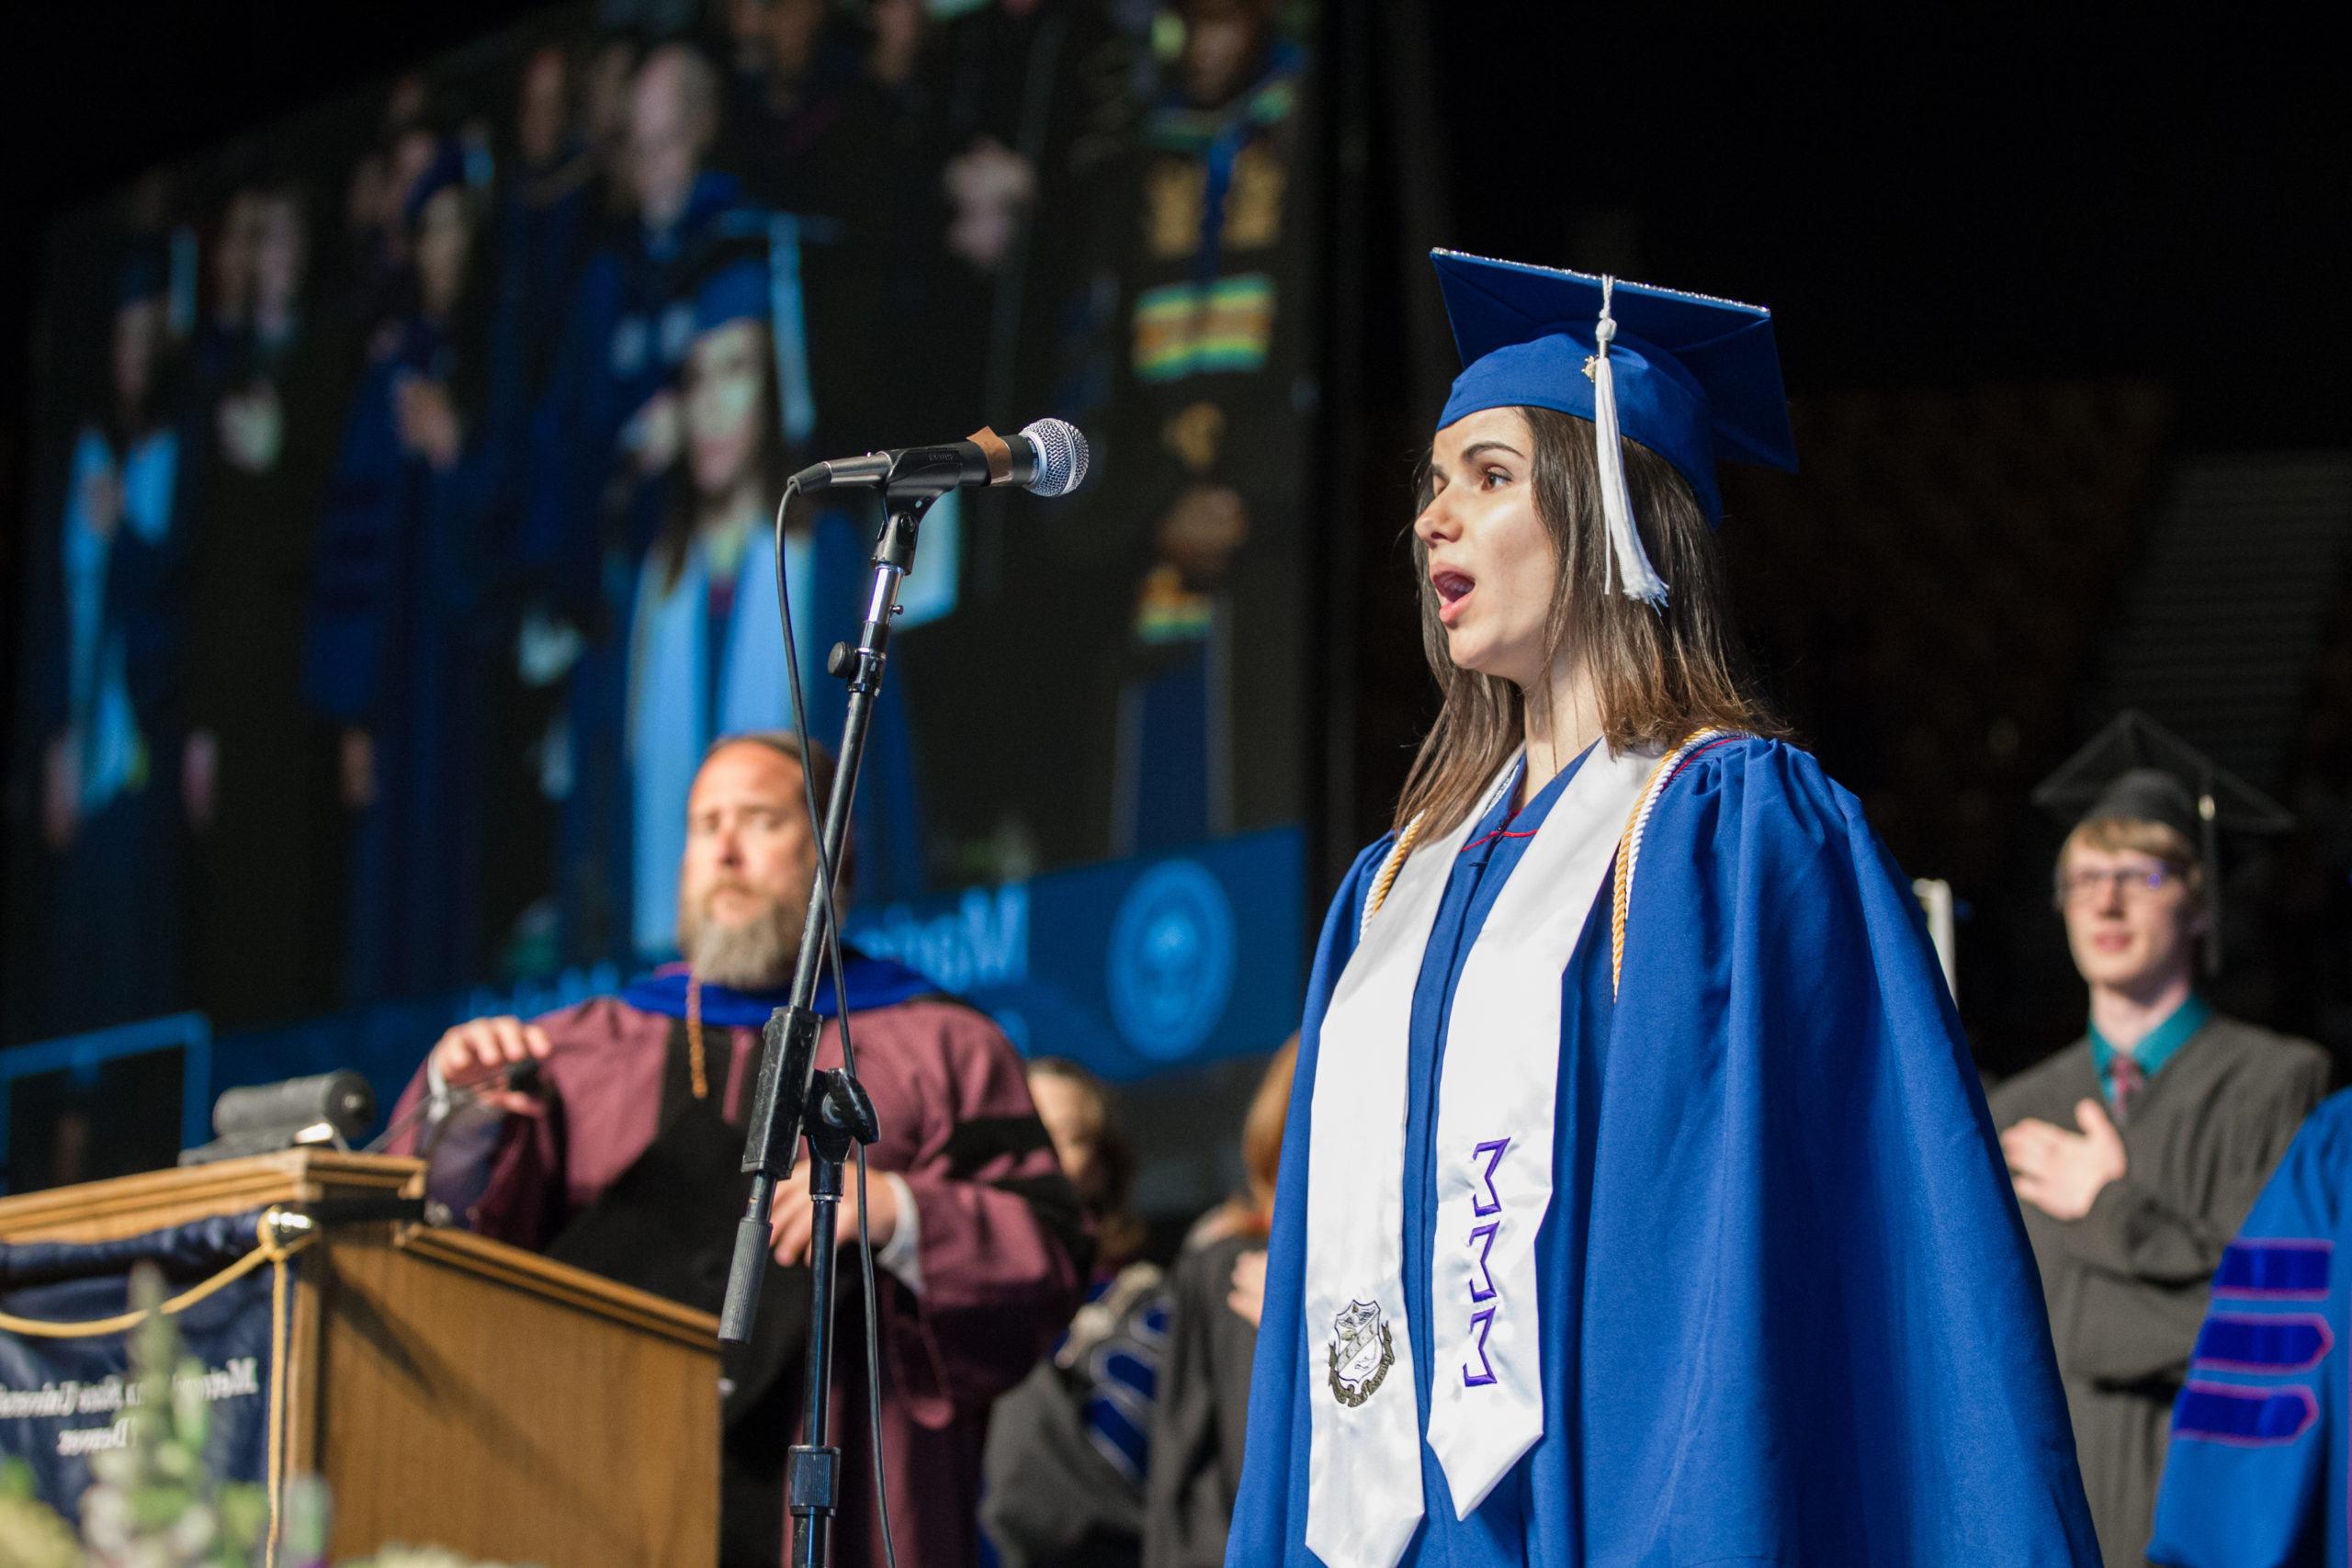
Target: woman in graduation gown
<point>1639,1203</point>
<point>706,648</point>
<point>396,653</point>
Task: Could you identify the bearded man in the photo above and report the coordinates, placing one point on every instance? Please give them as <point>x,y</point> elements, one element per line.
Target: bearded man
<point>626,1158</point>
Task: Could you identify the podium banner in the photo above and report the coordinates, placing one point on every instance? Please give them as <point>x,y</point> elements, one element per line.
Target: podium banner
<point>67,1389</point>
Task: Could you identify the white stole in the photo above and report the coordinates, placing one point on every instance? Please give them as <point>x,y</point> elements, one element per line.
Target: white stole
<point>1496,1092</point>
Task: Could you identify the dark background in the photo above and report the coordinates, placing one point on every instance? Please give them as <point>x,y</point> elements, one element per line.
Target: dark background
<point>2025,266</point>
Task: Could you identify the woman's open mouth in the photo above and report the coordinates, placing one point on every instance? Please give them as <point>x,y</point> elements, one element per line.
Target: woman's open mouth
<point>1452,588</point>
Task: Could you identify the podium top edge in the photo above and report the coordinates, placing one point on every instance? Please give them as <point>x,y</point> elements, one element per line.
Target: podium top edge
<point>126,1206</point>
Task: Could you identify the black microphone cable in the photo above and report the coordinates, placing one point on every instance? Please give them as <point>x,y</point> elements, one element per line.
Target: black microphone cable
<point>840,1009</point>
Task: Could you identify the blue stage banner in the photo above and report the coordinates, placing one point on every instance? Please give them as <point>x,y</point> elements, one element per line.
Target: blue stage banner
<point>1135,968</point>
<point>63,1401</point>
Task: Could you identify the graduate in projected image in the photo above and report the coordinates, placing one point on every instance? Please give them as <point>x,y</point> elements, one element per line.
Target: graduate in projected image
<point>601,440</point>
<point>1209,430</point>
<point>106,695</point>
<point>1638,1203</point>
<point>258,774</point>
<point>706,642</point>
<point>396,651</point>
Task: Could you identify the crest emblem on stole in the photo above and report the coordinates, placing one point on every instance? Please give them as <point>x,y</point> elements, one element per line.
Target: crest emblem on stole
<point>1363,1349</point>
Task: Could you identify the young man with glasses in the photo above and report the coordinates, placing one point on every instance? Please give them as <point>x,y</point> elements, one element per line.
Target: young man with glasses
<point>2137,1150</point>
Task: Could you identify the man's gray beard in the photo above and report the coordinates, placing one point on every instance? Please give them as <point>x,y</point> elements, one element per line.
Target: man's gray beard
<point>756,955</point>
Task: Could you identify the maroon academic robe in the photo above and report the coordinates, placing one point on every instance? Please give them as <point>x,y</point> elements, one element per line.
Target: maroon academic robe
<point>998,1278</point>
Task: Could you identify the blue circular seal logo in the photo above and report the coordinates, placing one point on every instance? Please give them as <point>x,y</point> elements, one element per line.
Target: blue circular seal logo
<point>1171,960</point>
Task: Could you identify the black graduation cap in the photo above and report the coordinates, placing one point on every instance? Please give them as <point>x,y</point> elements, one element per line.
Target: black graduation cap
<point>2137,771</point>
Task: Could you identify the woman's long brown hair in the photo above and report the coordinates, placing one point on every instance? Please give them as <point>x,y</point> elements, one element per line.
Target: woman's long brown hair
<point>1656,674</point>
<point>682,509</point>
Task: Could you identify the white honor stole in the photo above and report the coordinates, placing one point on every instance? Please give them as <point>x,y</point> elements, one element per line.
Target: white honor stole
<point>1495,1100</point>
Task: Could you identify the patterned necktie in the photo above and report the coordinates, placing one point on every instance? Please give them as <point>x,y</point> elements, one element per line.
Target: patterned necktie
<point>2124,1079</point>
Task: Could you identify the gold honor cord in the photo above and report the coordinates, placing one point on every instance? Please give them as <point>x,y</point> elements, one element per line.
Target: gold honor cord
<point>1629,843</point>
<point>1629,848</point>
<point>1390,867</point>
<point>697,1065</point>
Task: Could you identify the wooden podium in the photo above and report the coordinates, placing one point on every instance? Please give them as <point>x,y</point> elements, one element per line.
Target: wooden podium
<point>454,1390</point>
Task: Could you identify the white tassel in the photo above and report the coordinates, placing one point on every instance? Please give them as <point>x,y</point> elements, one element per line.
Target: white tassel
<point>1632,563</point>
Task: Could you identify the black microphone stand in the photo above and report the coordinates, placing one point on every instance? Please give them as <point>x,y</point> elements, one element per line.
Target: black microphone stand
<point>791,1095</point>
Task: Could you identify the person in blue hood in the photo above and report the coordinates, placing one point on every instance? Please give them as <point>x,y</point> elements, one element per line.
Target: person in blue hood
<point>600,443</point>
<point>395,653</point>
<point>628,1159</point>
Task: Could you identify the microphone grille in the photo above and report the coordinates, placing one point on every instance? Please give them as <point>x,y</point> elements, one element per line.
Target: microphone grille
<point>1061,455</point>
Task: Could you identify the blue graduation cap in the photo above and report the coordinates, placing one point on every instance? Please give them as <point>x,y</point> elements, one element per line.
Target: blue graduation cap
<point>1694,378</point>
<point>735,290</point>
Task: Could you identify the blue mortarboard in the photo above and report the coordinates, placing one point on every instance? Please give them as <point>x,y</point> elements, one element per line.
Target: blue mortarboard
<point>1695,379</point>
<point>736,291</point>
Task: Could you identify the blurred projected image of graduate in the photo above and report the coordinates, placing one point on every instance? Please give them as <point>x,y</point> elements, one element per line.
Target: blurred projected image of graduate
<point>1638,1200</point>
<point>705,640</point>
<point>103,697</point>
<point>258,774</point>
<point>397,646</point>
<point>603,438</point>
<point>2139,1149</point>
<point>1204,437</point>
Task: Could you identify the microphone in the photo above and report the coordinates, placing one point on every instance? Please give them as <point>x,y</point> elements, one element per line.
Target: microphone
<point>325,1109</point>
<point>1047,457</point>
<point>341,1101</point>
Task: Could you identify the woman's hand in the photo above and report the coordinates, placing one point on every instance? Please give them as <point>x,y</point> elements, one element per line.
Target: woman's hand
<point>657,435</point>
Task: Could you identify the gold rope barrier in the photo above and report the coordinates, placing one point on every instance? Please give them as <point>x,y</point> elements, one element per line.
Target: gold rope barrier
<point>278,1251</point>
<point>268,1249</point>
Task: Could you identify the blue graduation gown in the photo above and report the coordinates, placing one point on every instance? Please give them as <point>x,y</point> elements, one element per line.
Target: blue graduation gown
<point>2255,1477</point>
<point>1790,1314</point>
<point>587,520</point>
<point>107,623</point>
<point>396,647</point>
